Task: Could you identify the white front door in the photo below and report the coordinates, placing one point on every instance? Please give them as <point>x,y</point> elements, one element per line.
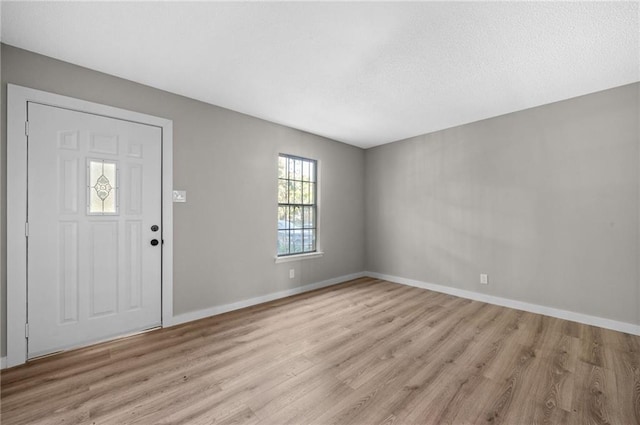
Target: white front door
<point>94,228</point>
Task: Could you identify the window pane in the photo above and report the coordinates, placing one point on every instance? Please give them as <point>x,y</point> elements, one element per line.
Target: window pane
<point>309,240</point>
<point>282,192</point>
<point>283,219</point>
<point>305,171</point>
<point>95,171</point>
<point>102,187</point>
<point>312,171</point>
<point>109,173</point>
<point>307,197</point>
<point>296,196</point>
<point>290,168</point>
<point>283,242</point>
<point>312,193</point>
<point>282,167</point>
<point>296,241</point>
<point>308,217</point>
<point>296,217</point>
<point>298,170</point>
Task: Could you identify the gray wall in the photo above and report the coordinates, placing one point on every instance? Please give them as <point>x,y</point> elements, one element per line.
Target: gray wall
<point>225,235</point>
<point>544,200</point>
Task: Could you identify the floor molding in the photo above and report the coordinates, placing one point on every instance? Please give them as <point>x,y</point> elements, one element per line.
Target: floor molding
<point>415,359</point>
<point>3,363</point>
<point>615,325</point>
<point>212,311</point>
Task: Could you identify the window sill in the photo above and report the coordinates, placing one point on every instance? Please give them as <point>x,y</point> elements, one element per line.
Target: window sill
<point>310,255</point>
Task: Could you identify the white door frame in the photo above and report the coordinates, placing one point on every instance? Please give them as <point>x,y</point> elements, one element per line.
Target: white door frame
<point>17,98</point>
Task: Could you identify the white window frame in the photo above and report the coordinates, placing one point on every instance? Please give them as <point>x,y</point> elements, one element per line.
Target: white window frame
<point>318,252</point>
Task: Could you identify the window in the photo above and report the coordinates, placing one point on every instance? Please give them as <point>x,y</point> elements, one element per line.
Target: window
<point>297,205</point>
<point>102,188</point>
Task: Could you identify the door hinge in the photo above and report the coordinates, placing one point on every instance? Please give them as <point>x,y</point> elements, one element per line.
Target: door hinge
<point>26,330</point>
<point>26,128</point>
<point>26,229</point>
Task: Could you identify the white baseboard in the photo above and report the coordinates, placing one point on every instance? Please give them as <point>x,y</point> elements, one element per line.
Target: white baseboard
<point>208,312</point>
<point>3,363</point>
<point>518,305</point>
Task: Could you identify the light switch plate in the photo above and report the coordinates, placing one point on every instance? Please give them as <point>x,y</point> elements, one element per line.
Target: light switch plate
<point>179,196</point>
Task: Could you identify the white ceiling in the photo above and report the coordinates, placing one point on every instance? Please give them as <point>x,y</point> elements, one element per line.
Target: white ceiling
<point>358,72</point>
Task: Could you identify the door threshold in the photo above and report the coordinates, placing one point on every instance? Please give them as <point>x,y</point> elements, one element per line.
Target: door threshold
<point>94,343</point>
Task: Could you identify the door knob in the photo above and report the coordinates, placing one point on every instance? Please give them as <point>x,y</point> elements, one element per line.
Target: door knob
<point>154,242</point>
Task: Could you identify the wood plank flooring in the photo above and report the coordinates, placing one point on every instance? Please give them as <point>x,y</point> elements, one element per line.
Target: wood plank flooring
<point>363,352</point>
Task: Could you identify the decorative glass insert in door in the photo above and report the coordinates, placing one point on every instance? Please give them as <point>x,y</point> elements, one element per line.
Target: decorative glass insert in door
<point>102,187</point>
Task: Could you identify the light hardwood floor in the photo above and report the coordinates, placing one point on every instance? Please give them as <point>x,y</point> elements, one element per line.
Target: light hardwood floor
<point>363,352</point>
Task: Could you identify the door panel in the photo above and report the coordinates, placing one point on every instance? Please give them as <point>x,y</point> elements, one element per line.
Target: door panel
<point>94,191</point>
<point>68,278</point>
<point>103,268</point>
<point>133,263</point>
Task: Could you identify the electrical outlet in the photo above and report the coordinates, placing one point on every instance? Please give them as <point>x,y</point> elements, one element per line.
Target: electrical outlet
<point>484,279</point>
<point>292,273</point>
